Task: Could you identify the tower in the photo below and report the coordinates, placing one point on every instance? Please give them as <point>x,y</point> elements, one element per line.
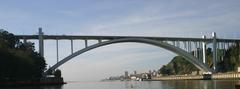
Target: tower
<point>126,75</point>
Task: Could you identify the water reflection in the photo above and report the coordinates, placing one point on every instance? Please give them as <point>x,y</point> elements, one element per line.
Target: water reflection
<point>180,84</point>
<point>199,84</point>
<point>35,87</point>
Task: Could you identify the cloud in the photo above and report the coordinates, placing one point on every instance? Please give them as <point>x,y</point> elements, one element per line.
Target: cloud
<point>159,22</point>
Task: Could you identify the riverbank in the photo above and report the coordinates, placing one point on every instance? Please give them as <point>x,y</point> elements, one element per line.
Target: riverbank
<point>198,77</point>
<point>33,82</point>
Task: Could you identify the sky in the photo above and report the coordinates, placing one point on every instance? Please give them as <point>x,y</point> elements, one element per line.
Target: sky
<point>158,18</point>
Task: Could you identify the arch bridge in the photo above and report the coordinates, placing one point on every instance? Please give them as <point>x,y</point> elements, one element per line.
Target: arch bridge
<point>192,49</point>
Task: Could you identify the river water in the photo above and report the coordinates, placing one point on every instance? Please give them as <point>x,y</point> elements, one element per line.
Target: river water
<point>179,84</point>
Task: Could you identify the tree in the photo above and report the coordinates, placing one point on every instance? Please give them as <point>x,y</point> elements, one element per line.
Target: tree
<point>165,70</point>
<point>8,39</point>
<point>19,61</point>
<point>231,59</point>
<point>177,66</point>
<point>58,73</point>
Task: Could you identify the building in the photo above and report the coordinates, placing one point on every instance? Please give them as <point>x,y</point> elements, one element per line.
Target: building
<point>126,75</point>
<point>135,72</point>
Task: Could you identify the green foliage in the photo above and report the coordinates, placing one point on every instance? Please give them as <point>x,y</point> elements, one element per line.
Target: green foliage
<point>227,61</point>
<point>19,61</point>
<point>166,70</point>
<point>178,66</point>
<point>58,73</point>
<point>231,59</point>
<point>209,55</point>
<point>7,39</point>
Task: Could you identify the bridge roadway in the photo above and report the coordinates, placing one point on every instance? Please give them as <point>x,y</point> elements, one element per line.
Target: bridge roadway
<point>82,37</point>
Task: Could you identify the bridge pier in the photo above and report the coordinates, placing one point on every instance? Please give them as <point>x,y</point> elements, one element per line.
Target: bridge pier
<point>189,46</point>
<point>24,40</point>
<point>71,46</point>
<point>41,44</point>
<point>214,37</point>
<point>224,49</point>
<point>86,43</point>
<point>57,50</point>
<point>227,45</point>
<point>204,50</point>
<point>195,52</point>
<point>173,43</point>
<point>185,45</point>
<point>177,44</point>
<point>99,40</point>
<point>238,50</point>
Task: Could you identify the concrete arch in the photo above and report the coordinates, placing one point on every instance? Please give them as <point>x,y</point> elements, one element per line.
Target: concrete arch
<point>166,46</point>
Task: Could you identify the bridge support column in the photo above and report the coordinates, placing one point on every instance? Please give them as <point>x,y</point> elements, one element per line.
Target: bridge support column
<point>86,43</point>
<point>189,46</point>
<point>224,49</point>
<point>204,50</point>
<point>238,50</point>
<point>214,37</point>
<point>57,50</point>
<point>222,52</point>
<point>178,44</point>
<point>71,46</point>
<point>200,45</point>
<point>24,40</point>
<point>185,45</point>
<point>41,44</point>
<point>173,43</point>
<point>195,52</point>
<point>99,40</point>
<point>227,45</point>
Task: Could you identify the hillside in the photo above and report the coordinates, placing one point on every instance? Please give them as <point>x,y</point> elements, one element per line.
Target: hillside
<point>226,63</point>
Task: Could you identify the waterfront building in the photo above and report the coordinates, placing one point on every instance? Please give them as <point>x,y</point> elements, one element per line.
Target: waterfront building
<point>154,73</point>
<point>150,72</point>
<point>126,75</point>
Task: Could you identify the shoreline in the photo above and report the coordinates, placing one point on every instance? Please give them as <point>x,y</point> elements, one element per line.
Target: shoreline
<point>219,76</point>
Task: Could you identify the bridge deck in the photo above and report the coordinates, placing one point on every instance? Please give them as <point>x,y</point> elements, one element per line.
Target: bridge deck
<point>75,37</point>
